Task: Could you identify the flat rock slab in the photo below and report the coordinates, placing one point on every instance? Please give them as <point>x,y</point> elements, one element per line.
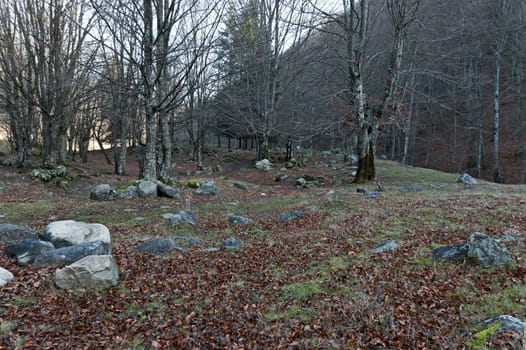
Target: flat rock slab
<point>68,255</point>
<point>94,271</point>
<point>292,216</point>
<point>158,246</point>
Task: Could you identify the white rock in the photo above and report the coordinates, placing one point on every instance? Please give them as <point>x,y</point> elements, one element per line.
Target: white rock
<point>94,271</point>
<point>5,277</point>
<point>66,233</point>
<point>264,165</point>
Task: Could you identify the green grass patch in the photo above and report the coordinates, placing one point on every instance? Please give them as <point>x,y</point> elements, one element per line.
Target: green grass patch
<point>301,313</point>
<point>410,175</point>
<point>481,338</point>
<point>24,301</point>
<point>504,300</point>
<point>21,213</point>
<point>302,291</point>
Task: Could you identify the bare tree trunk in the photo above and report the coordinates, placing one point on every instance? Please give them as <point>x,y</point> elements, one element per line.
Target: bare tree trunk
<point>497,177</point>
<point>150,156</point>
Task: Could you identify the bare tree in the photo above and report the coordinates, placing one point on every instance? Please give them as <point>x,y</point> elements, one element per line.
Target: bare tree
<point>49,37</point>
<point>162,27</point>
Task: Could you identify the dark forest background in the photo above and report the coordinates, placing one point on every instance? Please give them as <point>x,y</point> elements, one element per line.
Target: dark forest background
<point>436,84</point>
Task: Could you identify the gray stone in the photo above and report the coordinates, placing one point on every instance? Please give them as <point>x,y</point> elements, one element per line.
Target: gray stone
<point>14,233</point>
<point>103,192</point>
<point>240,186</point>
<point>467,179</point>
<point>181,217</point>
<point>167,190</point>
<point>66,233</point>
<point>371,194</point>
<point>508,323</point>
<point>189,240</point>
<point>452,253</point>
<point>147,189</point>
<point>130,192</point>
<point>207,188</point>
<point>210,250</point>
<point>280,177</point>
<point>93,271</point>
<point>158,246</point>
<point>264,165</point>
<point>389,245</point>
<point>68,255</point>
<point>236,219</point>
<point>291,216</point>
<point>232,243</point>
<point>5,277</point>
<point>479,248</point>
<point>48,174</point>
<point>26,251</point>
<point>415,188</point>
<point>486,250</point>
<point>301,183</point>
<point>361,190</point>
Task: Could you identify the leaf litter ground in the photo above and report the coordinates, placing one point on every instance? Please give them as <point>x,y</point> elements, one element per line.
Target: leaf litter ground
<point>312,283</point>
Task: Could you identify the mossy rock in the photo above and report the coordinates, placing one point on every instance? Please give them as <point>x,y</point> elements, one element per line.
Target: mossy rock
<point>193,183</point>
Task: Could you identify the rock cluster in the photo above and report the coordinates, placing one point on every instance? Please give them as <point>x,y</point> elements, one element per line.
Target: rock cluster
<point>86,247</point>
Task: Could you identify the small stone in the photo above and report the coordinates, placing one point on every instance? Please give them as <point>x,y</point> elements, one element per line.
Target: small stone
<point>291,216</point>
<point>232,243</point>
<point>5,277</point>
<point>389,245</point>
<point>240,186</point>
<point>235,219</point>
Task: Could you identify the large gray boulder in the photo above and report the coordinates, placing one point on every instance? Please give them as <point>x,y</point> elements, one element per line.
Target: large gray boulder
<point>66,233</point>
<point>147,189</point>
<point>26,251</point>
<point>103,192</point>
<point>486,250</point>
<point>5,277</point>
<point>207,188</point>
<point>479,248</point>
<point>167,190</point>
<point>94,271</point>
<point>68,255</point>
<point>14,233</point>
<point>158,245</point>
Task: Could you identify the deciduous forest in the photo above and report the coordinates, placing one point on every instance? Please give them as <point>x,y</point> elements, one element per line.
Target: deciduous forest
<point>262,174</point>
<point>436,84</point>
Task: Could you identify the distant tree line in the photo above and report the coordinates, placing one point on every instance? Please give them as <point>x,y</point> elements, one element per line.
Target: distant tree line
<point>435,83</point>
